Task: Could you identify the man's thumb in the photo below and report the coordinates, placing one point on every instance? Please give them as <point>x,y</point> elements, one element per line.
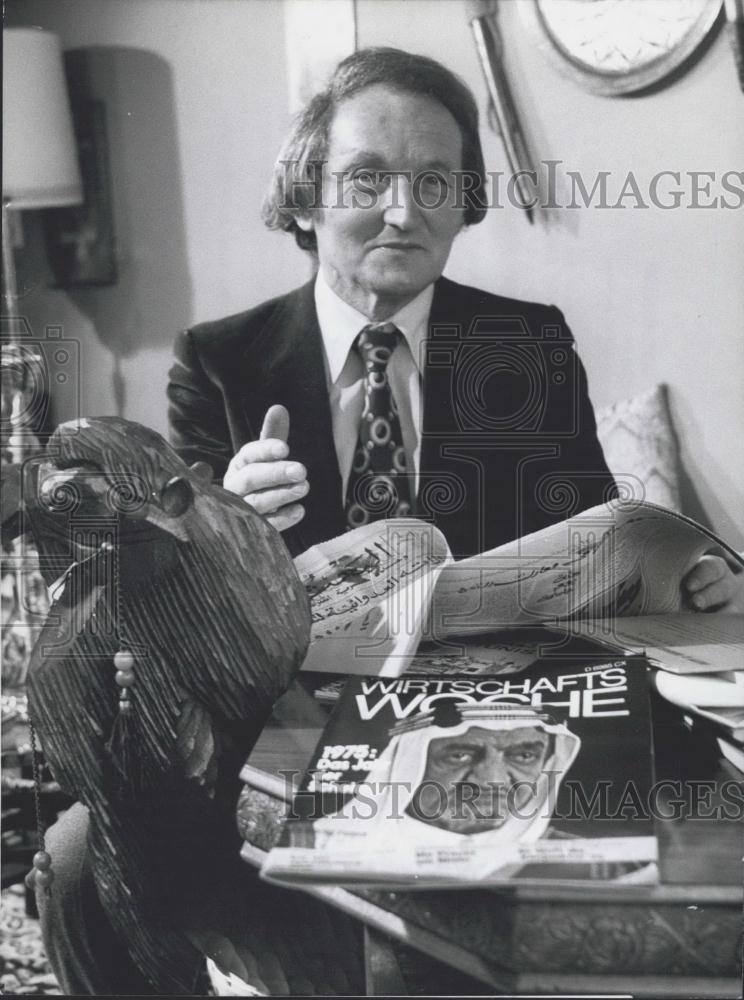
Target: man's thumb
<point>276,423</point>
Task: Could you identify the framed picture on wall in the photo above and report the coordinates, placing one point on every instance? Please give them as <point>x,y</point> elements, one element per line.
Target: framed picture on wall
<point>80,240</point>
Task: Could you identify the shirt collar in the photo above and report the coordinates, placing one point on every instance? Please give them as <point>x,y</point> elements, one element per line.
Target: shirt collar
<point>340,323</point>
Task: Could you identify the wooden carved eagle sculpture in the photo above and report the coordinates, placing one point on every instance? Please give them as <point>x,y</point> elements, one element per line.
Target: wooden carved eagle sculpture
<point>178,621</point>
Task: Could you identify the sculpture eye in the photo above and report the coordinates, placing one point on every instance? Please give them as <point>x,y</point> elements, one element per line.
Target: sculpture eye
<point>176,496</point>
<point>204,473</point>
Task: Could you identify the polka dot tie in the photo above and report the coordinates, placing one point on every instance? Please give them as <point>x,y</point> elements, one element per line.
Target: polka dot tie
<point>378,484</point>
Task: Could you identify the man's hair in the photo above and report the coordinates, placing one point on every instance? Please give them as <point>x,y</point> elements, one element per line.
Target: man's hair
<point>298,172</point>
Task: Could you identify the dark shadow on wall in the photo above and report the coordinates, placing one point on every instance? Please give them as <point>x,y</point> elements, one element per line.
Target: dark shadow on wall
<point>151,297</point>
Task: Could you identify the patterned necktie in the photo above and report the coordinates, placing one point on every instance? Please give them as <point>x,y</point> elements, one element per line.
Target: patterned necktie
<point>378,484</point>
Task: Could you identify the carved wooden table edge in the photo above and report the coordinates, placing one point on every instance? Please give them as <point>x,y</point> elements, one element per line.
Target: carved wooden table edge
<point>544,942</point>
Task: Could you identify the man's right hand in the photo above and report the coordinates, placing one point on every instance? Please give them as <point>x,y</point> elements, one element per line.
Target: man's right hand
<point>262,476</point>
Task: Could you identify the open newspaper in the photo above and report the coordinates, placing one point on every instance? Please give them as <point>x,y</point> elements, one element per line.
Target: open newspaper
<point>422,782</point>
<point>381,590</point>
<point>370,592</point>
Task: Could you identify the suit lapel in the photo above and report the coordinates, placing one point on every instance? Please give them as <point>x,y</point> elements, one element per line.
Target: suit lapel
<point>285,364</point>
<point>438,372</point>
<point>444,470</point>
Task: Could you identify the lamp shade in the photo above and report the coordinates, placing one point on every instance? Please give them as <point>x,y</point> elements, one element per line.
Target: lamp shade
<point>40,164</point>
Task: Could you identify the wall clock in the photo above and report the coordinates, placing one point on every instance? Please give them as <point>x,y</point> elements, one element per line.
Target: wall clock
<point>619,46</point>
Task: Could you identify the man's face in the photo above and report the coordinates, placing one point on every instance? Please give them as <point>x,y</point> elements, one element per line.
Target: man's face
<point>390,155</point>
<point>475,781</point>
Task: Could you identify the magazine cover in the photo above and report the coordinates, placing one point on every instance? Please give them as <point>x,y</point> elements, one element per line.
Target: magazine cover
<point>539,776</point>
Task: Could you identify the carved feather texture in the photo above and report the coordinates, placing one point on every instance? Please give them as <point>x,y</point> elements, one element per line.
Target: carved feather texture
<point>211,607</point>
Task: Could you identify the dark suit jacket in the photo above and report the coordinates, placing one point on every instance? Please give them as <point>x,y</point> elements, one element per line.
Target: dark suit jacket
<point>508,442</point>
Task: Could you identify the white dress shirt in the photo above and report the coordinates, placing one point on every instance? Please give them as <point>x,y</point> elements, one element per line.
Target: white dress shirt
<point>340,324</point>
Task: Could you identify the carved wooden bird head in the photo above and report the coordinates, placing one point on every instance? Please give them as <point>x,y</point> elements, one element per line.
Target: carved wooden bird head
<point>161,562</point>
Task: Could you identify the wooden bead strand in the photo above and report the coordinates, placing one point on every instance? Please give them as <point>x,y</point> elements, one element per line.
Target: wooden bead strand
<point>123,744</point>
<point>41,875</point>
<point>125,678</point>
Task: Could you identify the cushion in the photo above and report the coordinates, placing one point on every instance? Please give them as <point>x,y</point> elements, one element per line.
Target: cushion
<point>641,448</point>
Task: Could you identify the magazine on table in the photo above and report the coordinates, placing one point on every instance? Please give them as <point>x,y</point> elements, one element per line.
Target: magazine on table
<point>611,574</point>
<point>542,776</point>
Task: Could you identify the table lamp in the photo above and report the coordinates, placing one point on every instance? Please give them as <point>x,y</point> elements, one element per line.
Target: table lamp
<point>40,170</point>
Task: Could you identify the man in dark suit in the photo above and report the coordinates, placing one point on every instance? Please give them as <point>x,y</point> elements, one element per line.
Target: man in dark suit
<point>497,427</point>
<point>487,420</point>
<point>497,460</point>
<point>491,429</point>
